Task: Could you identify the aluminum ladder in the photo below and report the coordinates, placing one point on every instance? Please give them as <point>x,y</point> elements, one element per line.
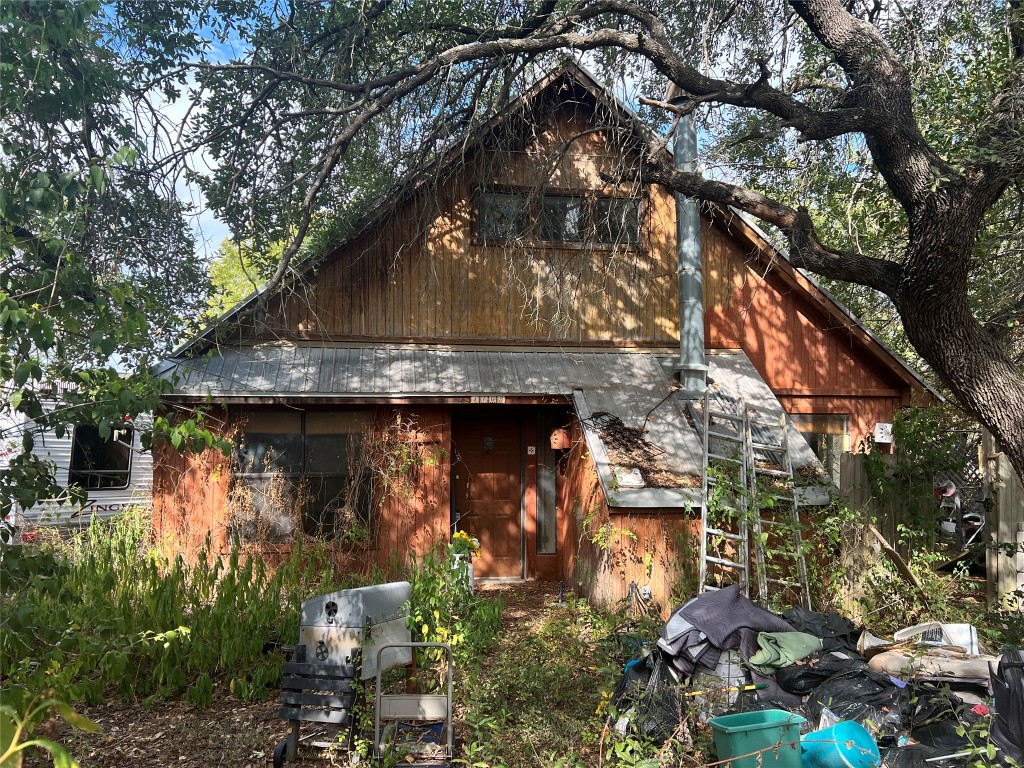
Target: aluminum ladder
<point>771,478</point>
<point>724,539</point>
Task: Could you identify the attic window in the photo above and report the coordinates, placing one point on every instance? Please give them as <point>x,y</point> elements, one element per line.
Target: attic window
<point>502,216</point>
<point>559,218</point>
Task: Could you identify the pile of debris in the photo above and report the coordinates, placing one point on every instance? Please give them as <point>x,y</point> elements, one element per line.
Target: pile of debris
<point>932,696</point>
<point>634,456</point>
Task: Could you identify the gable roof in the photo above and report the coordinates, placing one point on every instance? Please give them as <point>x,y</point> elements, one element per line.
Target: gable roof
<point>571,73</point>
<point>568,72</point>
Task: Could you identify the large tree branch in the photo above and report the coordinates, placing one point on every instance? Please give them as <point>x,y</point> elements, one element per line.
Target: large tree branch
<point>880,85</point>
<point>806,250</point>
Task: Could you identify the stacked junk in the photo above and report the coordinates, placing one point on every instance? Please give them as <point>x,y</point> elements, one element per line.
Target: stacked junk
<point>812,690</point>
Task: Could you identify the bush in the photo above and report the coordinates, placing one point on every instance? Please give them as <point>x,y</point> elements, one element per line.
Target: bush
<point>444,608</point>
<point>100,615</point>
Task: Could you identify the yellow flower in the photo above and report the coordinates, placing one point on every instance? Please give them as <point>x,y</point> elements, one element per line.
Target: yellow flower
<point>602,706</point>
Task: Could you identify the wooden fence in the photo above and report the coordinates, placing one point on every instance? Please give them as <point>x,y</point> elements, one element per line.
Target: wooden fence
<point>1004,524</point>
<point>1006,527</point>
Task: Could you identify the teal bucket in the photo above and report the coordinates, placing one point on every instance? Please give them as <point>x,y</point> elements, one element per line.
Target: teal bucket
<point>772,734</point>
<point>845,745</point>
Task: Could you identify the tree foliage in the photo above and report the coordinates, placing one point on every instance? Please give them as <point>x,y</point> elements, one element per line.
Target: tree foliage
<point>98,272</point>
<point>239,270</point>
<point>880,141</point>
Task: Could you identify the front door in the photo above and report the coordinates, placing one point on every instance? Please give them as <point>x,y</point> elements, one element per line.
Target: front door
<point>487,490</point>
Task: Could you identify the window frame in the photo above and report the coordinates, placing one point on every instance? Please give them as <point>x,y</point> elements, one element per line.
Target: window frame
<point>300,478</point>
<point>533,206</point>
<point>806,426</point>
<point>72,470</point>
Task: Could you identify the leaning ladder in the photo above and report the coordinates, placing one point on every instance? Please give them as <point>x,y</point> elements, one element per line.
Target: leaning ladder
<point>723,542</point>
<point>771,466</point>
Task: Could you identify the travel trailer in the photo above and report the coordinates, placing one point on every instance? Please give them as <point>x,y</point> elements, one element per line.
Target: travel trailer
<point>115,473</point>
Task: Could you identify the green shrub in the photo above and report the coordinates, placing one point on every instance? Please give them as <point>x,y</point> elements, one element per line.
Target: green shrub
<point>100,615</point>
<point>444,608</point>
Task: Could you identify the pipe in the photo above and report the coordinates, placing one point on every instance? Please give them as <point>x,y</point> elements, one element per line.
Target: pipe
<point>692,368</point>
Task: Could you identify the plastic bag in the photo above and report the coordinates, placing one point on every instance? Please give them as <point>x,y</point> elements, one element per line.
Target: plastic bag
<point>837,632</point>
<point>866,697</point>
<point>813,671</point>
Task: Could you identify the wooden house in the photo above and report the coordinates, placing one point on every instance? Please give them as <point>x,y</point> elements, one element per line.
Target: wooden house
<point>495,349</point>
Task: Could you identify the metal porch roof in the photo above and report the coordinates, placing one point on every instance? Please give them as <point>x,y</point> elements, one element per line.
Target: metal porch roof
<point>296,372</point>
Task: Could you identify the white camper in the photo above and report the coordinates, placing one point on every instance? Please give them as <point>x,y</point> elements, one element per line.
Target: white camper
<point>115,473</point>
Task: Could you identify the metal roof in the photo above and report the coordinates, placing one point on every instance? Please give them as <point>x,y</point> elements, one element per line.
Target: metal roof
<point>296,371</point>
<point>629,385</point>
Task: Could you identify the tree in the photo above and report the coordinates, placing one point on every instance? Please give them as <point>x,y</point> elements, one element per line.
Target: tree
<point>98,270</point>
<point>237,271</point>
<point>325,91</point>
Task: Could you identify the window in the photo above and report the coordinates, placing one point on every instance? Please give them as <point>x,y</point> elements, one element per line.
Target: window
<point>617,220</point>
<point>559,218</point>
<point>302,469</point>
<point>101,463</point>
<point>502,216</point>
<point>828,435</point>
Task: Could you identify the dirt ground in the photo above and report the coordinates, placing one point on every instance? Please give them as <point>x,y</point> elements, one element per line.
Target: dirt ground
<point>235,733</point>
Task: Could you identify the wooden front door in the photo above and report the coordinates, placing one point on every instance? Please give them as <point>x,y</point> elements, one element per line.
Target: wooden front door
<point>487,490</point>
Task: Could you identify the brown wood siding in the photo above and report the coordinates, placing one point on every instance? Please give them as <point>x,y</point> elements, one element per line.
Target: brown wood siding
<point>813,363</point>
<point>414,517</point>
<point>612,547</point>
<point>190,494</point>
<point>423,275</point>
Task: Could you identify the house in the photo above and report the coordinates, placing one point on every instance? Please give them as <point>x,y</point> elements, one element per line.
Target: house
<point>495,350</point>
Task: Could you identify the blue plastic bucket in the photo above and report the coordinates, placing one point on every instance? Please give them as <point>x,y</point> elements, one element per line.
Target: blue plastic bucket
<point>772,734</point>
<point>845,745</point>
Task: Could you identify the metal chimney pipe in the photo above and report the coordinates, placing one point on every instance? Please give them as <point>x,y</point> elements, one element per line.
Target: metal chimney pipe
<point>692,368</point>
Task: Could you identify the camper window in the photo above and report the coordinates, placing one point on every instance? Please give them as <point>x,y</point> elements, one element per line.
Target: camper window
<point>98,463</point>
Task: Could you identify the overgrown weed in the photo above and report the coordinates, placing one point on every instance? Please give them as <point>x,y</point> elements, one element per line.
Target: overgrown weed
<point>101,614</point>
<point>536,701</point>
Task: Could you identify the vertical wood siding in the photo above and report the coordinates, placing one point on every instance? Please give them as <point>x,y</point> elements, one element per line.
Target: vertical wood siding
<point>415,516</point>
<point>611,548</point>
<point>813,363</point>
<point>190,495</point>
<point>422,274</point>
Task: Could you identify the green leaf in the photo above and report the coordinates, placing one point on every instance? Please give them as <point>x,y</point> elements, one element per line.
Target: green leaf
<point>97,177</point>
<point>61,757</point>
<point>76,719</point>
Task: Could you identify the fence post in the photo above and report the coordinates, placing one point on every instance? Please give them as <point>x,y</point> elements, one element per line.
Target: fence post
<point>1005,572</point>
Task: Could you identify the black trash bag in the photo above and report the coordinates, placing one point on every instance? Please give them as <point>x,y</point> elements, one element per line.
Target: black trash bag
<point>931,703</point>
<point>633,681</point>
<point>837,632</point>
<point>1008,697</point>
<point>811,672</point>
<point>942,736</point>
<point>866,697</point>
<point>658,706</point>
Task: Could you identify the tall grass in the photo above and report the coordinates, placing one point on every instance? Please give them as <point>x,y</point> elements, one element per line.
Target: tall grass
<point>101,614</point>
